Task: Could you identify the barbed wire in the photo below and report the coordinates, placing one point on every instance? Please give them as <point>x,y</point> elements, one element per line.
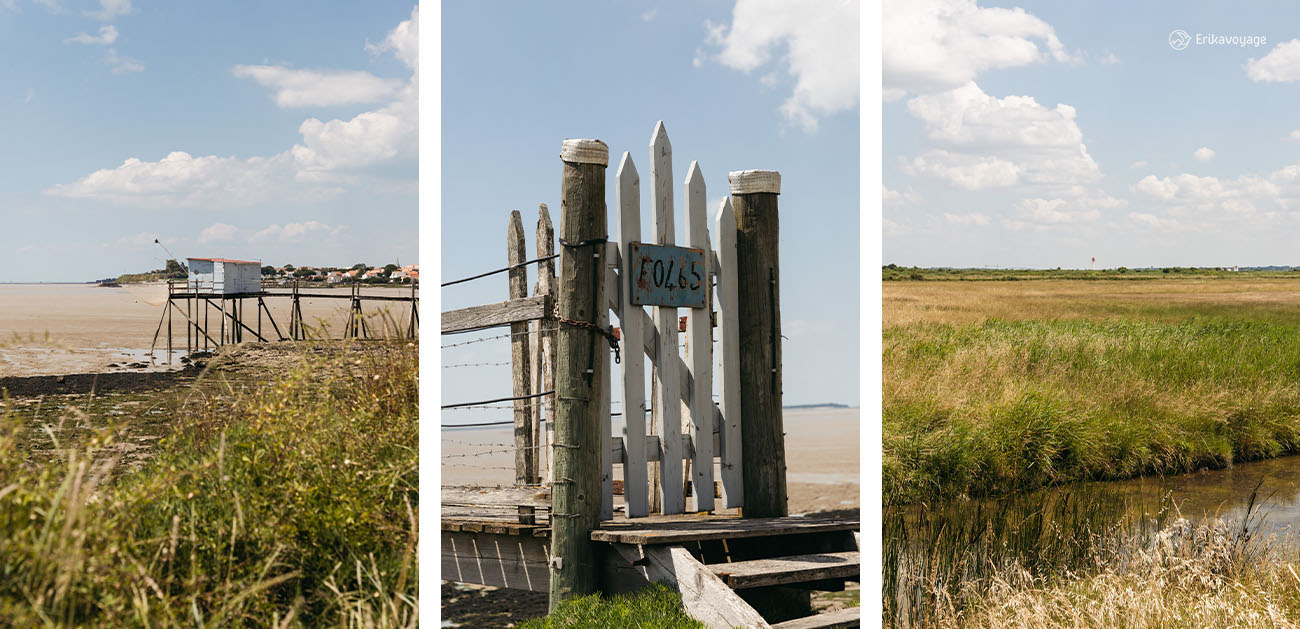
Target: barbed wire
<point>453,366</point>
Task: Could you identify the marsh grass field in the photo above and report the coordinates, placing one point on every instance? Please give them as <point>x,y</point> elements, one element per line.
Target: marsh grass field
<point>996,389</point>
<point>275,486</point>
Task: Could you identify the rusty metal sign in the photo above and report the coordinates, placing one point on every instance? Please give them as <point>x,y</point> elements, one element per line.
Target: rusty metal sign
<point>664,275</point>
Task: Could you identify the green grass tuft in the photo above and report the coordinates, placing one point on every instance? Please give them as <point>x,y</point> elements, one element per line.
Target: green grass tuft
<point>656,606</point>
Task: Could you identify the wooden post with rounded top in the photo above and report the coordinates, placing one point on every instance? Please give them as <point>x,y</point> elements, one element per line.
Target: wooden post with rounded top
<point>580,355</point>
<point>758,287</point>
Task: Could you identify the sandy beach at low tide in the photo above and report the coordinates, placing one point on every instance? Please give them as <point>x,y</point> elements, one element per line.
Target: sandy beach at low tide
<point>48,329</point>
<point>821,457</point>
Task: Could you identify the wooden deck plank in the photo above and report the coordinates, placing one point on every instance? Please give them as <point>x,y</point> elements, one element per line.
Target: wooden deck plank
<point>678,531</point>
<point>847,617</point>
<point>782,570</point>
<point>485,496</point>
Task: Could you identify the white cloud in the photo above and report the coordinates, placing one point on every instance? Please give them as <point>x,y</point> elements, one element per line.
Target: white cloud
<point>1295,135</point>
<point>1142,163</point>
<point>895,198</point>
<point>987,141</point>
<point>1186,192</point>
<point>1280,65</point>
<point>936,45</point>
<point>969,172</point>
<point>31,95</point>
<point>970,218</point>
<point>122,64</point>
<point>110,9</point>
<point>308,88</point>
<point>367,139</point>
<point>820,39</point>
<point>1109,59</point>
<point>649,15</point>
<point>107,35</point>
<point>1203,154</point>
<point>180,179</point>
<point>331,154</point>
<point>218,232</point>
<point>403,42</point>
<point>297,232</point>
<point>10,5</point>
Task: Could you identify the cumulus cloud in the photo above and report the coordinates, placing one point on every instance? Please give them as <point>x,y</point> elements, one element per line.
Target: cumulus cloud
<point>180,179</point>
<point>1280,65</point>
<point>936,45</point>
<point>107,35</point>
<point>1246,194</point>
<point>1295,135</point>
<point>1142,163</point>
<point>218,232</point>
<point>110,10</point>
<point>816,41</point>
<point>297,232</point>
<point>331,152</point>
<point>1203,154</point>
<point>985,142</point>
<point>403,42</point>
<point>309,88</point>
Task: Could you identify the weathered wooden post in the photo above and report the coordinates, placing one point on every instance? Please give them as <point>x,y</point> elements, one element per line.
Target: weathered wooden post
<point>758,287</point>
<point>581,351</point>
<point>516,253</point>
<point>546,341</point>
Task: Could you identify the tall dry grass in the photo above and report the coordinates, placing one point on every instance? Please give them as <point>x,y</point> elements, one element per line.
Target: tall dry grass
<point>287,505</point>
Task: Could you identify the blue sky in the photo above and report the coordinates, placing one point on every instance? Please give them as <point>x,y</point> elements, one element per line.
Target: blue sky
<point>280,131</point>
<point>1042,134</point>
<point>739,85</point>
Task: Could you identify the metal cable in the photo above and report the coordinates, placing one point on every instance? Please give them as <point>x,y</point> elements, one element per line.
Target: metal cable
<point>504,399</point>
<point>502,270</point>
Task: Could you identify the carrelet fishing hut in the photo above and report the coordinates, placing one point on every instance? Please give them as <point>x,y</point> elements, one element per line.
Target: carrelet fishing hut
<point>225,276</point>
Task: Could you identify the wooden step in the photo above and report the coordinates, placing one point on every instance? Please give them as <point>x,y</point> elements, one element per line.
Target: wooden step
<point>783,570</point>
<point>847,617</point>
<point>683,529</point>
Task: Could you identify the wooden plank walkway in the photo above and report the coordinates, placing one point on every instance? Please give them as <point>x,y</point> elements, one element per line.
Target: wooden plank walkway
<point>698,529</point>
<point>739,575</point>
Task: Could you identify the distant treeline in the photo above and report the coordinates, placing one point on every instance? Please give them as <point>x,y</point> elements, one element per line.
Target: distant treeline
<point>172,271</point>
<point>894,273</point>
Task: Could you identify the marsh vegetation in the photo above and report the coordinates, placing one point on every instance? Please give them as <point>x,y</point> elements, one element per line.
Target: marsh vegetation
<point>1000,398</point>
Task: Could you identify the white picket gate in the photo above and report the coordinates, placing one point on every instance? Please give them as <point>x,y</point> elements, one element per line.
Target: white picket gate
<point>682,386</point>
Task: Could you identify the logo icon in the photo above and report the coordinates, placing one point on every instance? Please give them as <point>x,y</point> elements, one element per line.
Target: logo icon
<point>1179,39</point>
